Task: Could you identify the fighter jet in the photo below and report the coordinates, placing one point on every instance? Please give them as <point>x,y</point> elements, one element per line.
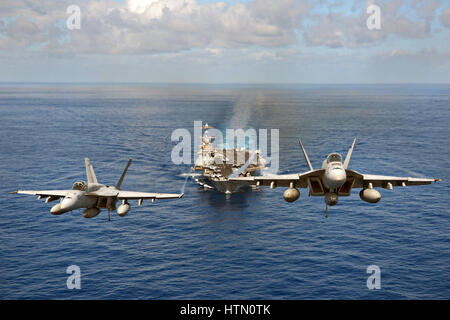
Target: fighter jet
<point>93,196</point>
<point>334,179</point>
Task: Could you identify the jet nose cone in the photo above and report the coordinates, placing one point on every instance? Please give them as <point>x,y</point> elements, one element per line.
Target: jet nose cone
<point>337,178</point>
<point>55,208</point>
<point>67,203</point>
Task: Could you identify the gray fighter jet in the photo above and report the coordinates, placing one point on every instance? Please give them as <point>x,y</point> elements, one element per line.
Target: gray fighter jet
<point>334,179</point>
<point>93,196</point>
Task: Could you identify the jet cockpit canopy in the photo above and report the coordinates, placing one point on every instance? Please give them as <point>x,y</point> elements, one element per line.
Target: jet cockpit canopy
<point>79,185</point>
<point>334,157</point>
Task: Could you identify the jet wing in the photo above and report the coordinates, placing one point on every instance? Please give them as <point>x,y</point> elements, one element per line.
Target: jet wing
<point>104,192</point>
<point>300,180</point>
<point>382,181</point>
<point>134,195</point>
<point>44,193</point>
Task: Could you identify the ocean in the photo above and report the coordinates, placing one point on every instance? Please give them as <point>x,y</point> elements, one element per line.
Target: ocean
<point>250,245</point>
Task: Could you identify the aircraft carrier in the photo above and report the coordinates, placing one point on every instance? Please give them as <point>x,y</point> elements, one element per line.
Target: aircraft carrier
<point>217,165</point>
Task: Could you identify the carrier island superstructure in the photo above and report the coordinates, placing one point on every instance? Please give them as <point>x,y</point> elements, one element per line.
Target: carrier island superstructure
<point>217,165</point>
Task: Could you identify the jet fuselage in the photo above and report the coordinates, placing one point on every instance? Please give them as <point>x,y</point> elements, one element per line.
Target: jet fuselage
<point>334,176</point>
<point>75,199</point>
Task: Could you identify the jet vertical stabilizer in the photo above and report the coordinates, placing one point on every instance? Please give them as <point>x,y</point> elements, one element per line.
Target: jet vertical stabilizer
<point>123,175</point>
<point>349,154</point>
<point>90,174</point>
<point>306,155</point>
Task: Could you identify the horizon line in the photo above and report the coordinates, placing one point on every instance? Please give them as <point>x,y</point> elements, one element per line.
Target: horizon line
<point>214,83</point>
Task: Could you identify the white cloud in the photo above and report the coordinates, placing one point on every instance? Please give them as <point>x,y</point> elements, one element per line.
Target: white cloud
<point>163,26</point>
<point>151,26</point>
<point>338,30</point>
<point>259,40</point>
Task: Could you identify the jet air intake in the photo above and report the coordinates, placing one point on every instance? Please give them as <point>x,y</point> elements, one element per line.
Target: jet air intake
<point>91,212</point>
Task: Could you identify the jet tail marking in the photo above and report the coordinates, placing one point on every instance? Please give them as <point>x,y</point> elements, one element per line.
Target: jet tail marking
<point>123,174</point>
<point>349,154</point>
<point>306,155</point>
<point>90,174</point>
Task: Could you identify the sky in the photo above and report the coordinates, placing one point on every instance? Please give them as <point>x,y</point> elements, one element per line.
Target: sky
<point>207,41</point>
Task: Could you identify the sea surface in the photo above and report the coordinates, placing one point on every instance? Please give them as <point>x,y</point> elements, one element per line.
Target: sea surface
<point>250,245</point>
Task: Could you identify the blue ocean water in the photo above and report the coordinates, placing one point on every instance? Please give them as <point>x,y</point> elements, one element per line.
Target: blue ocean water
<point>252,245</point>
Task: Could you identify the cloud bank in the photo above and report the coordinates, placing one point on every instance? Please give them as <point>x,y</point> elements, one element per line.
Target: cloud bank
<point>151,26</point>
<point>155,26</point>
<point>242,41</point>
